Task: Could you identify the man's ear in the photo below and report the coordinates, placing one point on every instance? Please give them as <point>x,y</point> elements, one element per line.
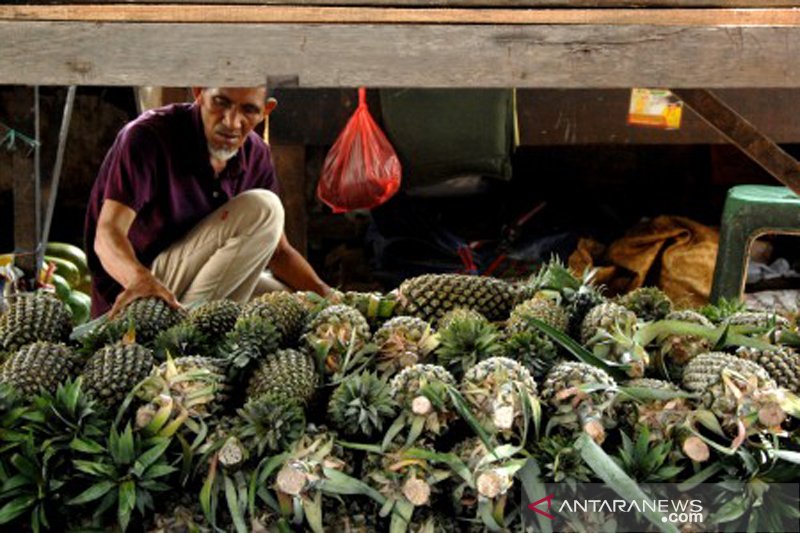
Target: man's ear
<point>270,105</point>
<point>197,92</point>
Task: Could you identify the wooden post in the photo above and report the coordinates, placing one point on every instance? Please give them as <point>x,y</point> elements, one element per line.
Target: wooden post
<point>744,135</point>
<point>27,201</point>
<point>290,166</point>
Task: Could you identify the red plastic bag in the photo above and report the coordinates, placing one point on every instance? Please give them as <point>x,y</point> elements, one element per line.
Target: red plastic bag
<point>361,170</point>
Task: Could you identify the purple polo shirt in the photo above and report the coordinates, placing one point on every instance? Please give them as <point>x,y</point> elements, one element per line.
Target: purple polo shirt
<point>159,167</point>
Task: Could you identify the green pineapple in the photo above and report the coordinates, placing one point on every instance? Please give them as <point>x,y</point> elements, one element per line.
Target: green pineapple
<point>401,342</point>
<point>39,366</point>
<point>148,316</point>
<point>578,296</point>
<point>252,339</point>
<point>527,344</point>
<point>421,392</point>
<point>579,397</point>
<point>647,303</point>
<point>608,330</point>
<point>782,364</point>
<point>561,461</point>
<point>360,405</point>
<point>501,393</point>
<point>286,372</point>
<point>33,317</point>
<point>269,423</point>
<point>284,310</point>
<point>739,392</point>
<point>674,351</point>
<point>466,337</point>
<point>214,319</point>
<point>336,336</point>
<point>647,460</point>
<point>193,385</point>
<point>113,371</point>
<point>430,296</point>
<point>180,340</point>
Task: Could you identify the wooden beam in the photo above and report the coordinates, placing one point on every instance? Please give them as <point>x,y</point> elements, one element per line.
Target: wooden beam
<point>744,135</point>
<point>290,166</point>
<point>420,55</point>
<point>27,198</point>
<point>472,3</point>
<point>230,14</point>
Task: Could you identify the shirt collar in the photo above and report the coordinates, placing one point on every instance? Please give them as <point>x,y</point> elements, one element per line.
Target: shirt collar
<point>235,166</point>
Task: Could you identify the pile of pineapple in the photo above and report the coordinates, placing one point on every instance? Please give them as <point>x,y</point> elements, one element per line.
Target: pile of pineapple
<point>426,409</point>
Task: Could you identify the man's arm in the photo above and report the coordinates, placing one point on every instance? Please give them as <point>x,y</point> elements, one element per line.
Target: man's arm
<point>116,254</point>
<point>292,269</point>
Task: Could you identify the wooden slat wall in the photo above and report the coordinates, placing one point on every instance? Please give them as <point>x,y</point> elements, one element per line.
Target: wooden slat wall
<point>421,55</point>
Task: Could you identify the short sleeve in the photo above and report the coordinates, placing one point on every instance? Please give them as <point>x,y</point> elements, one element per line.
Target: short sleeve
<point>131,167</point>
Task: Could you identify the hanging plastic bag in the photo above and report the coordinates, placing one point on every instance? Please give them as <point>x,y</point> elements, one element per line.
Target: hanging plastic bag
<point>361,170</point>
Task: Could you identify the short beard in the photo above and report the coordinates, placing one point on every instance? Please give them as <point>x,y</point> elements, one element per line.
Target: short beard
<point>222,154</point>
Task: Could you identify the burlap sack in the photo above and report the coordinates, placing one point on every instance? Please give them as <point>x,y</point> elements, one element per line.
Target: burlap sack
<point>674,253</point>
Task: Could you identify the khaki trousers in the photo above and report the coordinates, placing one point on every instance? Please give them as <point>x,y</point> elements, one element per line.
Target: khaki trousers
<point>226,253</point>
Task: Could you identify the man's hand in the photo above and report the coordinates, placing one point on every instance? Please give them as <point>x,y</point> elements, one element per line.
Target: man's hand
<point>142,286</point>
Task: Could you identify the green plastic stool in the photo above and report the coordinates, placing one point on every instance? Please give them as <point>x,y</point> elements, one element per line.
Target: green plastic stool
<point>751,211</point>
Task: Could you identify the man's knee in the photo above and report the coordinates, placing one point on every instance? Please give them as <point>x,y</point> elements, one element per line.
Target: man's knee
<point>263,207</point>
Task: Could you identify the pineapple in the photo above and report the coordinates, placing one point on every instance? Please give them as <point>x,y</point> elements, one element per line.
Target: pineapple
<point>578,296</point>
<point>579,397</point>
<point>284,310</point>
<point>269,423</point>
<point>180,340</point>
<point>401,342</point>
<point>360,405</point>
<point>608,330</point>
<point>215,319</point>
<point>336,336</point>
<point>289,373</point>
<point>406,481</point>
<point>148,316</point>
<point>561,461</point>
<point>782,364</point>
<point>39,366</point>
<point>33,317</point>
<point>112,372</point>
<point>193,383</point>
<point>421,392</point>
<point>501,393</point>
<point>526,343</point>
<point>665,419</point>
<point>252,339</point>
<point>466,337</point>
<point>430,296</point>
<point>490,486</point>
<point>647,303</point>
<point>739,392</point>
<point>675,350</point>
<point>759,320</point>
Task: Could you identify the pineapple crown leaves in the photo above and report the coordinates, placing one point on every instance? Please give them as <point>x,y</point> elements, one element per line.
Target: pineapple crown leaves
<point>125,475</point>
<point>463,342</point>
<point>182,339</point>
<point>29,488</point>
<point>644,460</point>
<point>251,339</point>
<point>361,404</point>
<point>576,350</point>
<point>723,309</point>
<point>270,424</point>
<point>190,388</point>
<point>561,460</point>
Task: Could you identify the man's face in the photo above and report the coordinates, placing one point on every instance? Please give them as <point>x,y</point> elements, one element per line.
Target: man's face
<point>229,114</point>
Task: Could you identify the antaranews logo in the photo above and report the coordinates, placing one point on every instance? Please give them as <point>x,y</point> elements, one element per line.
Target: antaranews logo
<point>547,499</point>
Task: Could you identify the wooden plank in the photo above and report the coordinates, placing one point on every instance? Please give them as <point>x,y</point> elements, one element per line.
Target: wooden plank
<point>744,135</point>
<point>349,55</point>
<point>27,199</point>
<point>290,165</point>
<point>230,14</point>
<point>470,3</point>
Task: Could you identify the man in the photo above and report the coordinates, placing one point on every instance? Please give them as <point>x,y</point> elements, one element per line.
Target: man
<point>185,207</point>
